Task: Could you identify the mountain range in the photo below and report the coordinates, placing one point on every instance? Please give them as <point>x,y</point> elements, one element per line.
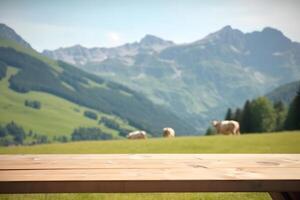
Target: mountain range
<point>66,92</point>
<point>197,81</point>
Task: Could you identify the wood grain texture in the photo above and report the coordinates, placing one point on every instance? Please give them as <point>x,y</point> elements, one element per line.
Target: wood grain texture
<point>150,173</point>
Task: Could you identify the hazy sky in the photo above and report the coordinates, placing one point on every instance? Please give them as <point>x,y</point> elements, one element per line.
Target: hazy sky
<point>60,23</point>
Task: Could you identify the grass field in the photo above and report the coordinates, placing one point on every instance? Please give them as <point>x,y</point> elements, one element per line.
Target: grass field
<point>56,116</point>
<point>283,142</point>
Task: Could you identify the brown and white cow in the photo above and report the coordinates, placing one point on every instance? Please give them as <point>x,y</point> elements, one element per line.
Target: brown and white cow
<point>168,132</point>
<point>137,135</point>
<point>227,127</point>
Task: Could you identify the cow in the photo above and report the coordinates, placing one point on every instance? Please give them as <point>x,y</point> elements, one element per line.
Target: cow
<point>227,127</point>
<point>137,135</point>
<point>168,132</point>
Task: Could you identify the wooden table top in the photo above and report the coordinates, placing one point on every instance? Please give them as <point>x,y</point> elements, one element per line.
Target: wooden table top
<point>149,172</point>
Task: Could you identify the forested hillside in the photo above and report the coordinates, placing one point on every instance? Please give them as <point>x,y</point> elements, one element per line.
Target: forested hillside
<point>87,90</point>
<point>265,115</point>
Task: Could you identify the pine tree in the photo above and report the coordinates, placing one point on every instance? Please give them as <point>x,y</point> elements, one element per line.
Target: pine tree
<point>246,123</point>
<point>281,113</point>
<point>263,115</point>
<point>293,117</point>
<point>238,115</point>
<point>229,115</point>
<point>16,131</point>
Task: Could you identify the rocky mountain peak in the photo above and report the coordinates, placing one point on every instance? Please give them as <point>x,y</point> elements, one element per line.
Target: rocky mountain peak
<point>226,35</point>
<point>226,28</point>
<point>149,40</point>
<point>273,31</point>
<point>275,34</point>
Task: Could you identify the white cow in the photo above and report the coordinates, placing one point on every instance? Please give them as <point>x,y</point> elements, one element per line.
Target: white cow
<point>168,132</point>
<point>137,135</point>
<point>227,127</point>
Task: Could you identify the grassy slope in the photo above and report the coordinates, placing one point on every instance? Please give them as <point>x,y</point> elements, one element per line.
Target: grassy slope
<point>109,97</point>
<point>284,142</point>
<point>56,117</point>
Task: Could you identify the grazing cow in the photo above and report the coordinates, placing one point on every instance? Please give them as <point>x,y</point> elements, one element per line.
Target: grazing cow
<point>168,132</point>
<point>137,135</point>
<point>227,127</point>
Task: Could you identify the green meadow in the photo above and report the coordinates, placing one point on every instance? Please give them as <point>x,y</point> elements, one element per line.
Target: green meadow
<point>281,142</point>
<point>56,117</point>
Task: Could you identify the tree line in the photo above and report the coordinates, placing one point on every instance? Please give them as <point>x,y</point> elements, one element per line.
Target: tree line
<point>112,124</point>
<point>262,115</point>
<point>90,133</point>
<point>90,114</point>
<point>14,134</point>
<point>109,123</point>
<point>33,104</point>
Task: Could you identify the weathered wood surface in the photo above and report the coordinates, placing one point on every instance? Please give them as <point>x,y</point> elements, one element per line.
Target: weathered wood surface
<point>150,173</point>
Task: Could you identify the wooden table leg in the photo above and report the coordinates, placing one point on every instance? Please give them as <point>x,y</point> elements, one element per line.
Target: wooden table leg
<point>285,195</point>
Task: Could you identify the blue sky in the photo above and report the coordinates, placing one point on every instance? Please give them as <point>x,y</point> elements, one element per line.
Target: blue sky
<point>60,23</point>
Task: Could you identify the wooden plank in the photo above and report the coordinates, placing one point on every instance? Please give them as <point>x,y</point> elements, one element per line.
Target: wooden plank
<point>146,186</point>
<point>153,161</point>
<point>150,173</point>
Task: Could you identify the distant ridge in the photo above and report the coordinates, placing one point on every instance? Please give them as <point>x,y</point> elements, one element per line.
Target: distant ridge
<point>9,34</point>
<point>284,93</point>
